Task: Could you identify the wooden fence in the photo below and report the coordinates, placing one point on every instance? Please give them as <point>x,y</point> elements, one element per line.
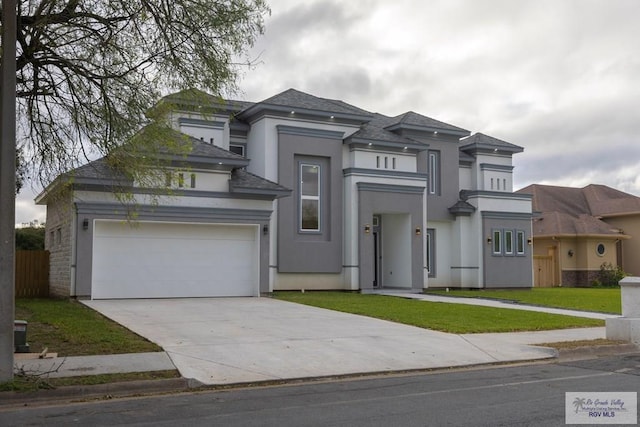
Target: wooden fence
<point>543,271</point>
<point>32,274</point>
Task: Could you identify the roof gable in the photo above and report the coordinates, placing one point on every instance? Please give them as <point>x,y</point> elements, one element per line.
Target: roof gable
<point>479,142</point>
<point>296,102</point>
<point>417,122</point>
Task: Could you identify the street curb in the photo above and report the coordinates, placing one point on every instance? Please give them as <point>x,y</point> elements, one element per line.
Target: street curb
<point>98,391</point>
<point>586,352</point>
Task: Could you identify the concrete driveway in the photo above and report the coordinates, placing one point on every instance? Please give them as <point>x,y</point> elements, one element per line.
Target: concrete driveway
<point>235,340</point>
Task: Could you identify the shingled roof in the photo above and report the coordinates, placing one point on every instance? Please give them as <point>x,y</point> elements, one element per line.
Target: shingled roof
<point>482,141</point>
<point>415,121</point>
<point>569,210</point>
<point>301,102</point>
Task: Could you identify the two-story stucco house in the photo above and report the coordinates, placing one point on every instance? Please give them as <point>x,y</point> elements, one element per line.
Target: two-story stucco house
<point>296,192</point>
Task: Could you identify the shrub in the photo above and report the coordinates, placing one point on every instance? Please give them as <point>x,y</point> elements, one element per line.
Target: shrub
<point>609,276</point>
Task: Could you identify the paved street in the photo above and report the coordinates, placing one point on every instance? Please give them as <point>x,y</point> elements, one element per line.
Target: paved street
<point>530,395</point>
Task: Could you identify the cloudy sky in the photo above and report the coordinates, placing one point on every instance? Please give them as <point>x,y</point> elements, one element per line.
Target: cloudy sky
<point>559,77</point>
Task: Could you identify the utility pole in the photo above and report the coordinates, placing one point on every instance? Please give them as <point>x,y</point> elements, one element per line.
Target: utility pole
<point>7,187</point>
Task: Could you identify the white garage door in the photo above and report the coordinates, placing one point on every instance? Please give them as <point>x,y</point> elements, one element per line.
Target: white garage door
<point>164,260</point>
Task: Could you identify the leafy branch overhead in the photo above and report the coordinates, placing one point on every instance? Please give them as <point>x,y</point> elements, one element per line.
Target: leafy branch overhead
<point>89,70</point>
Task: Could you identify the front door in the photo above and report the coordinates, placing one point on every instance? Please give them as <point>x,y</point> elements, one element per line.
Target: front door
<point>377,251</point>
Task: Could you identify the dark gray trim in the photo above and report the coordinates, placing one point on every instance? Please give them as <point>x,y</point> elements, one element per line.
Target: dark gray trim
<point>417,128</point>
<point>389,188</point>
<point>366,142</point>
<point>310,132</point>
<point>465,194</point>
<point>172,213</point>
<point>383,172</point>
<point>494,167</point>
<point>237,193</point>
<point>201,122</point>
<point>506,215</point>
<point>265,108</point>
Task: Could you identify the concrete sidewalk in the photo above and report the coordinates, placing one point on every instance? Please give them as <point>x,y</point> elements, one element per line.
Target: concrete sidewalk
<point>239,340</point>
<point>494,303</point>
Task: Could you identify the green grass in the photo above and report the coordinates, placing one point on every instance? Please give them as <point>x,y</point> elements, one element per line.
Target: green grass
<point>602,300</point>
<point>454,318</point>
<point>69,328</point>
<point>32,383</point>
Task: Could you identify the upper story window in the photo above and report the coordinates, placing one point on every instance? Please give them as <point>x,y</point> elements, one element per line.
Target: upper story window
<point>434,172</point>
<point>237,149</point>
<point>310,197</point>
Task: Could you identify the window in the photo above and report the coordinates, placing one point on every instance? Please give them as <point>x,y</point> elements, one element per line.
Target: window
<point>520,242</point>
<point>167,179</point>
<point>180,180</point>
<point>431,252</point>
<point>508,242</point>
<point>309,197</point>
<point>193,180</point>
<point>492,183</point>
<point>504,184</point>
<point>378,162</point>
<point>237,149</point>
<point>386,162</point>
<point>497,242</point>
<point>600,249</point>
<point>393,162</point>
<point>434,172</point>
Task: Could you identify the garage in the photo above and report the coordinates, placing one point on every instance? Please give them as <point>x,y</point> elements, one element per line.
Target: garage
<point>168,260</point>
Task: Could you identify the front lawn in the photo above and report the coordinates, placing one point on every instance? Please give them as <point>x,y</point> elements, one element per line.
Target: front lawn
<point>71,329</point>
<point>602,300</point>
<point>454,318</point>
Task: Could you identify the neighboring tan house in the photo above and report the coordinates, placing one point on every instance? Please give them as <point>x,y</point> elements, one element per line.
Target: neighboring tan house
<point>577,230</point>
<point>296,192</point>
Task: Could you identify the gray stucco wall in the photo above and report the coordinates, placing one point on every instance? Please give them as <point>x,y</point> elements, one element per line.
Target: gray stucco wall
<point>390,199</point>
<point>507,271</point>
<point>305,252</point>
<point>447,147</point>
<point>93,211</point>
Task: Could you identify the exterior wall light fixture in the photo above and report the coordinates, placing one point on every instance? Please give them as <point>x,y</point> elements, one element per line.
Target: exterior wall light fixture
<point>265,229</point>
<point>489,240</point>
<point>570,253</point>
<point>85,224</point>
<point>418,231</point>
<point>367,229</point>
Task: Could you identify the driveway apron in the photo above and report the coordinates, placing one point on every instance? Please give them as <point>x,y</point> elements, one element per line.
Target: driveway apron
<point>237,340</point>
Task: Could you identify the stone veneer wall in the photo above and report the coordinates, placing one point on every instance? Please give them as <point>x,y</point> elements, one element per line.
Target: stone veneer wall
<point>58,242</point>
<point>579,278</point>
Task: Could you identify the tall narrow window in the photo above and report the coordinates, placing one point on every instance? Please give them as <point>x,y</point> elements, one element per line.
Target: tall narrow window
<point>504,184</point>
<point>386,162</point>
<point>167,179</point>
<point>492,183</point>
<point>378,162</point>
<point>508,242</point>
<point>434,172</point>
<point>193,180</point>
<point>431,252</point>
<point>309,197</point>
<point>520,242</point>
<point>393,162</point>
<point>180,180</point>
<point>497,242</point>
